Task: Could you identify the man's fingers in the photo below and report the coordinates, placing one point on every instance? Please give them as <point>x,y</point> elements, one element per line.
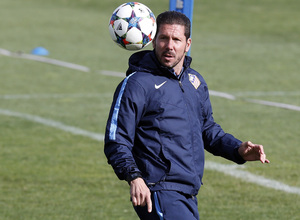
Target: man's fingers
<point>137,201</point>
<point>262,157</point>
<point>140,194</point>
<point>134,200</point>
<point>149,203</point>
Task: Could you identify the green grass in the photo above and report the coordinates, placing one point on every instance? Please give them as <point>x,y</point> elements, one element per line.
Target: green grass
<point>238,46</point>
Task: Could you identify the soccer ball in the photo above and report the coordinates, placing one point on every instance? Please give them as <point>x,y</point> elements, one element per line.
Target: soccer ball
<point>132,26</point>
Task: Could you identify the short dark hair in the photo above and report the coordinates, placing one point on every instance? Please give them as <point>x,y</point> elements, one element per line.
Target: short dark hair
<point>174,17</point>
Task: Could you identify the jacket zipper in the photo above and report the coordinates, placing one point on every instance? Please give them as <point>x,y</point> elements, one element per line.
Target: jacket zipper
<point>181,86</point>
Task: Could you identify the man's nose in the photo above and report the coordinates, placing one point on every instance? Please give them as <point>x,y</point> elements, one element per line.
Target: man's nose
<point>170,44</point>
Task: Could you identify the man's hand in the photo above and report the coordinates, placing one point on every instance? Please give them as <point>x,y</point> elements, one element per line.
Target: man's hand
<point>140,193</point>
<point>252,152</point>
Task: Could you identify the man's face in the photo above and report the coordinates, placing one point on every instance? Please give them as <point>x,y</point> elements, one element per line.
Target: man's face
<point>170,46</point>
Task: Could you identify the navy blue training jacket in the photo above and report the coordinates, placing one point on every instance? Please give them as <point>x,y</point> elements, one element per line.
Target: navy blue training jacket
<point>159,126</point>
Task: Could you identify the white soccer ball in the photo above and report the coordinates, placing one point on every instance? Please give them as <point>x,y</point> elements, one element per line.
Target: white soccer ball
<point>132,26</point>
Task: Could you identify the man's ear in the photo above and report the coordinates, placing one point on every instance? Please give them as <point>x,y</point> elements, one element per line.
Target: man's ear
<point>188,44</point>
<point>153,43</point>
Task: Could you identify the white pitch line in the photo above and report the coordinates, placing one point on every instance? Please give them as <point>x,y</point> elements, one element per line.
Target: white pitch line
<point>257,101</point>
<point>119,74</point>
<point>112,73</point>
<point>212,93</point>
<point>234,97</point>
<point>54,96</point>
<point>267,93</point>
<point>275,104</point>
<point>232,170</point>
<point>54,124</point>
<point>222,95</point>
<point>44,60</point>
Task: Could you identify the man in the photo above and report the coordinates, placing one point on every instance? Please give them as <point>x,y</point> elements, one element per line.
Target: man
<point>160,123</point>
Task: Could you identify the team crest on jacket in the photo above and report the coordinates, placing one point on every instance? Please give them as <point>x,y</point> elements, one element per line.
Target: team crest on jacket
<point>194,80</point>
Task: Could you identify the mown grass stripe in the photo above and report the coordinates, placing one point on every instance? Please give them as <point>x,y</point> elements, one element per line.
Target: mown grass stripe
<point>44,60</point>
<point>235,171</point>
<point>54,124</point>
<point>232,170</point>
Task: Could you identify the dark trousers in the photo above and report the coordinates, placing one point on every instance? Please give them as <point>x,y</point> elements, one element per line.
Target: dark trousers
<point>170,205</point>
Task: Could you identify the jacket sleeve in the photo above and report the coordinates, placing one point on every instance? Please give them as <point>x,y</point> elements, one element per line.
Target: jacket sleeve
<point>124,115</point>
<point>216,141</point>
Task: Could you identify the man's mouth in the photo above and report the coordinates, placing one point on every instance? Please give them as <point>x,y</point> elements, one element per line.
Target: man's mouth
<point>168,55</point>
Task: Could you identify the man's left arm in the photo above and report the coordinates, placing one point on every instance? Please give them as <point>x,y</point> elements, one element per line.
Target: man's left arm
<point>219,143</point>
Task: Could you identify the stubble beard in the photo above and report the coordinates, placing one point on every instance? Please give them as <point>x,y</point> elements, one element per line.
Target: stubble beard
<point>170,65</point>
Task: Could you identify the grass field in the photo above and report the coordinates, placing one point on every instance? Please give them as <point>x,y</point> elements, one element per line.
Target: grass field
<point>248,49</point>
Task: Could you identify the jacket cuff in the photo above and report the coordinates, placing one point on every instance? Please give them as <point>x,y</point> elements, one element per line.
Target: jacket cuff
<point>239,158</point>
<point>133,176</point>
